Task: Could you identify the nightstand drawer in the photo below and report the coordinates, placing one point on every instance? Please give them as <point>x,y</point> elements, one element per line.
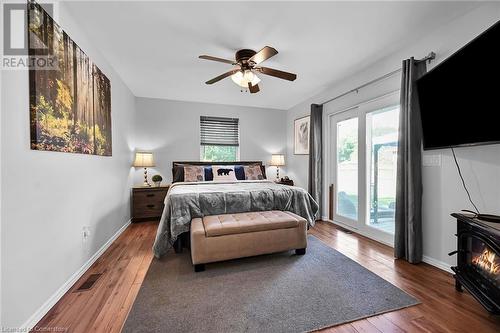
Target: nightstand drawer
<point>148,210</point>
<point>141,197</point>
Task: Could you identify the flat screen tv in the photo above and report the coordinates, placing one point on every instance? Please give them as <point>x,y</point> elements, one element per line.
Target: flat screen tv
<point>460,98</point>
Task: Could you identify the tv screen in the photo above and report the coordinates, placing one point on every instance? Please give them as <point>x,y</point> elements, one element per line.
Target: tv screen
<point>460,98</point>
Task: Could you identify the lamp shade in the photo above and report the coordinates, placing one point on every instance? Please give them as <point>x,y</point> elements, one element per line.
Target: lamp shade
<point>277,160</point>
<point>144,159</point>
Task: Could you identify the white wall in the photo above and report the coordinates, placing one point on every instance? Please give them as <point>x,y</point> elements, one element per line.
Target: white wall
<point>1,163</point>
<point>171,129</point>
<point>47,197</point>
<point>442,188</point>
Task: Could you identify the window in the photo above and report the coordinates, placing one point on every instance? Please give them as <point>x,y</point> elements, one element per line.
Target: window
<point>347,168</point>
<point>219,139</point>
<point>382,151</point>
<point>219,153</point>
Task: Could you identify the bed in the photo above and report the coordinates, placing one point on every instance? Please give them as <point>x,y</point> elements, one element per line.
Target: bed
<point>187,200</point>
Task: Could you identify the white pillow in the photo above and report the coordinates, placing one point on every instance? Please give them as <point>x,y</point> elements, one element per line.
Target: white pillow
<point>224,173</point>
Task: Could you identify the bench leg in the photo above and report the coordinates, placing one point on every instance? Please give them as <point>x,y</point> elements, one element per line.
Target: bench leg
<point>199,267</point>
<point>300,252</point>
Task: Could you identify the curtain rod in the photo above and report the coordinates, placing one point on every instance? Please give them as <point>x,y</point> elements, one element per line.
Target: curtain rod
<point>431,56</point>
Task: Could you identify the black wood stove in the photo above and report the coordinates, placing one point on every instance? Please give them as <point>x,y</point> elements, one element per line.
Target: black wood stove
<point>478,260</point>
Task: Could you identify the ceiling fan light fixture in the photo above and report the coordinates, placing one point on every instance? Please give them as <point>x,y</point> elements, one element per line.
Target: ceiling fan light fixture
<point>244,70</point>
<point>242,78</point>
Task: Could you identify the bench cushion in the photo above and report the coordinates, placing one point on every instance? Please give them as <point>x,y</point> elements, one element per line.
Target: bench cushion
<point>229,224</point>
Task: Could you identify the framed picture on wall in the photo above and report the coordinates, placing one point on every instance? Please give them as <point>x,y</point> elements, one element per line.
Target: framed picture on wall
<point>70,104</point>
<point>301,136</point>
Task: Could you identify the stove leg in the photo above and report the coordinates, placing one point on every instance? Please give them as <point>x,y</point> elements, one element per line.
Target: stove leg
<point>458,286</point>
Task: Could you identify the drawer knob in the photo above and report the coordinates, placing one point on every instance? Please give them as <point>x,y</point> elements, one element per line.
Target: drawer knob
<point>150,206</point>
<point>150,195</point>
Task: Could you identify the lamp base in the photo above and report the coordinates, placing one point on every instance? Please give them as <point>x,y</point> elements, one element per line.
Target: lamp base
<point>146,184</point>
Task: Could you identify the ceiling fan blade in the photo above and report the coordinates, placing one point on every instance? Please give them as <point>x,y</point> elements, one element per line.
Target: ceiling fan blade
<point>277,73</point>
<point>264,54</point>
<point>222,76</point>
<point>253,89</point>
<point>207,57</point>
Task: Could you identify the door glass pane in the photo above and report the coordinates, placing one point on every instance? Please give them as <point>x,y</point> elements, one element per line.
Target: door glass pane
<point>347,168</point>
<point>382,143</point>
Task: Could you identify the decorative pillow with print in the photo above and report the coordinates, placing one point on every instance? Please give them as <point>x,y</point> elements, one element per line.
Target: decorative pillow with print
<point>224,173</point>
<point>253,172</point>
<point>194,173</point>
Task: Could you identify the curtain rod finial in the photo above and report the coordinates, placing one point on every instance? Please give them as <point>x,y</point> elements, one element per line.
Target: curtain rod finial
<point>431,56</point>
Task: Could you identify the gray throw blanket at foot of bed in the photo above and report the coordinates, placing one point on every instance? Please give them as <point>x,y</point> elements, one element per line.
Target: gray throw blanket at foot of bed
<point>185,201</point>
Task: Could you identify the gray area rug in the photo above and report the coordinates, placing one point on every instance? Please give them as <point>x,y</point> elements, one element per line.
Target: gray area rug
<point>272,293</point>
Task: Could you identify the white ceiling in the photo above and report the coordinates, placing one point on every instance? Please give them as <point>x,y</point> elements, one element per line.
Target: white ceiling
<point>154,46</point>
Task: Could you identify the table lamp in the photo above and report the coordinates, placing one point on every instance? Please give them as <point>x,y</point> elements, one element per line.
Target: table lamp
<point>277,160</point>
<point>144,160</point>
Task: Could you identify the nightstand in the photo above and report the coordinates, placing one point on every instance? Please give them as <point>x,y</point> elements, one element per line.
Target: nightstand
<point>147,202</point>
<point>284,181</point>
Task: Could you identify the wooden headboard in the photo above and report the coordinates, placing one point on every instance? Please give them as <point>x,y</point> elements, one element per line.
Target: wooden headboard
<point>178,167</point>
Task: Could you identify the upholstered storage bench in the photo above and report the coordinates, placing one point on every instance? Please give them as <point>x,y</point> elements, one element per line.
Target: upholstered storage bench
<point>230,236</point>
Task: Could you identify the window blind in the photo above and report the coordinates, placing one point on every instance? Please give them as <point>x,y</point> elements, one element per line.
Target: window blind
<point>219,131</point>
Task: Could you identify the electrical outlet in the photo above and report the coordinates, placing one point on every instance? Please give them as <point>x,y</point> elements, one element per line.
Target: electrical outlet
<point>431,160</point>
<point>85,233</point>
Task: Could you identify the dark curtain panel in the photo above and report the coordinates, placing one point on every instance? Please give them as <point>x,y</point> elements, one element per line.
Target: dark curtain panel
<point>408,233</point>
<point>315,175</point>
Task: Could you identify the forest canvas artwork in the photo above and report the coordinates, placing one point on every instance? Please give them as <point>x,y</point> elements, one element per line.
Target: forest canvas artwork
<point>70,106</point>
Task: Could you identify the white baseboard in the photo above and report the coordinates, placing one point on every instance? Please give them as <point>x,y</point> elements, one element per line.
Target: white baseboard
<point>428,260</point>
<point>45,308</point>
<point>437,263</point>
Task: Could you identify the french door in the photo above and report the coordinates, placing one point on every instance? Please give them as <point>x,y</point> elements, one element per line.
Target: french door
<point>363,144</point>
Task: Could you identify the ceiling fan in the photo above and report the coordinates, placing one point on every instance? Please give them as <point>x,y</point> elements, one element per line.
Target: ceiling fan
<point>247,65</point>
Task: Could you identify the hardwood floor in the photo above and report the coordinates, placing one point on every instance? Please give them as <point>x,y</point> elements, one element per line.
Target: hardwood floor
<point>104,308</point>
